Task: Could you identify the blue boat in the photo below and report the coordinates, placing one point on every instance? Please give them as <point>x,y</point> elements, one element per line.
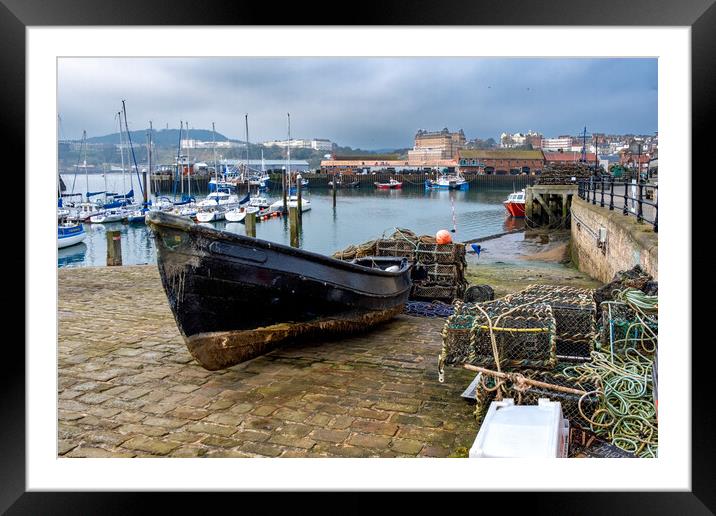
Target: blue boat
<point>447,182</point>
<point>69,233</point>
<point>218,184</point>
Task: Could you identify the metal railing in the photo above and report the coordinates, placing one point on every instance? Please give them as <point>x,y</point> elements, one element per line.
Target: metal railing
<point>637,198</point>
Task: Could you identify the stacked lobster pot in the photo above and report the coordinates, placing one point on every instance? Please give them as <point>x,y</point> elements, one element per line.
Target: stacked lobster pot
<point>574,312</point>
<point>499,334</point>
<point>439,269</point>
<point>561,174</point>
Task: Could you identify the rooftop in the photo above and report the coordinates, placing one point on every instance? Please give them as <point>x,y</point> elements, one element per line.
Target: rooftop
<point>500,154</point>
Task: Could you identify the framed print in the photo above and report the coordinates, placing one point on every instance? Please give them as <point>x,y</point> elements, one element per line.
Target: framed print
<point>359,258</point>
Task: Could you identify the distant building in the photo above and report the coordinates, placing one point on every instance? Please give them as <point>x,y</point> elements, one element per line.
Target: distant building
<point>509,141</point>
<point>269,165</point>
<point>371,164</point>
<point>501,161</point>
<point>437,145</point>
<point>199,144</point>
<point>320,144</point>
<point>556,144</point>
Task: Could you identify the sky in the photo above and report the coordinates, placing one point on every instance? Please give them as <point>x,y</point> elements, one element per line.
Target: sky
<point>369,103</point>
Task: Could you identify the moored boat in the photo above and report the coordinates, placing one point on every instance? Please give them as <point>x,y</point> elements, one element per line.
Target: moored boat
<point>238,214</point>
<point>69,234</point>
<point>235,297</point>
<point>341,182</point>
<point>448,182</point>
<point>515,204</point>
<point>107,216</point>
<point>390,185</point>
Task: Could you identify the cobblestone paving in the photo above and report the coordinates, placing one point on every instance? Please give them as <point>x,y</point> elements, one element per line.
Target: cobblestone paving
<point>128,387</point>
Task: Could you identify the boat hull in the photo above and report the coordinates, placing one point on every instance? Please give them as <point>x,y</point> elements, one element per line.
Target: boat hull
<point>515,209</point>
<point>450,186</point>
<point>235,297</point>
<point>381,186</point>
<point>67,241</point>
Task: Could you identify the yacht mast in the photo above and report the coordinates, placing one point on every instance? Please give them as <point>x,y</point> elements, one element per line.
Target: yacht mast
<point>84,145</point>
<point>216,169</point>
<point>246,118</point>
<point>148,184</point>
<point>121,152</point>
<point>188,165</point>
<point>174,186</point>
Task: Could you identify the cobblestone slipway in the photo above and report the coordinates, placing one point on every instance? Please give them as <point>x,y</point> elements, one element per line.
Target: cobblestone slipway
<point>128,387</point>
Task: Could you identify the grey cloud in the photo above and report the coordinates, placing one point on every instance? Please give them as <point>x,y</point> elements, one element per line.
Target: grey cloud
<point>361,102</point>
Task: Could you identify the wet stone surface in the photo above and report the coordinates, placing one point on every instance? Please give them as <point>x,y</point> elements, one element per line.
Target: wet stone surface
<point>128,387</point>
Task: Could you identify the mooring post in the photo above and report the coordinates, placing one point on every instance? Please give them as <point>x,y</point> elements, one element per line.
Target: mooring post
<point>114,248</point>
<point>293,225</point>
<point>250,222</point>
<point>286,185</point>
<point>334,189</point>
<point>299,202</point>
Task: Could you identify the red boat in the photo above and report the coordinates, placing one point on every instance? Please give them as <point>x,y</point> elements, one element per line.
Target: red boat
<point>390,185</point>
<point>515,204</point>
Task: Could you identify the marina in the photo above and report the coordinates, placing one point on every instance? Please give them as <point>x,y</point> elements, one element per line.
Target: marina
<point>360,214</point>
<point>462,298</point>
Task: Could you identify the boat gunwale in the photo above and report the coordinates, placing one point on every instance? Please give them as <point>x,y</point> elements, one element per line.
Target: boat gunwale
<point>182,224</point>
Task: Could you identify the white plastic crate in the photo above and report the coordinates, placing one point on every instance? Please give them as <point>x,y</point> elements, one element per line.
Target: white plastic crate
<point>526,431</point>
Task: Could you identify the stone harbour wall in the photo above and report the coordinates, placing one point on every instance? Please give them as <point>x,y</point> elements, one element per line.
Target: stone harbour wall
<point>627,242</point>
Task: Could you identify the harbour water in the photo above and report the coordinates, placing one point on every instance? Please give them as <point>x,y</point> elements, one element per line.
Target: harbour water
<point>361,214</point>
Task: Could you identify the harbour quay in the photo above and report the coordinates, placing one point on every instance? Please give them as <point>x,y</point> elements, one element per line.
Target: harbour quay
<point>128,387</point>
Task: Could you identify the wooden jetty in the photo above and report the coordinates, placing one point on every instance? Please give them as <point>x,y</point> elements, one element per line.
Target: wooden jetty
<point>549,205</point>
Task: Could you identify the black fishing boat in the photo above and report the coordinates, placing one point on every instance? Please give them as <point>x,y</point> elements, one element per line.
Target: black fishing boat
<point>340,182</point>
<point>236,297</point>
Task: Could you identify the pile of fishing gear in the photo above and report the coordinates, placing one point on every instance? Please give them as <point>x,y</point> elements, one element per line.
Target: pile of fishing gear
<point>438,269</point>
<point>593,351</point>
<point>565,173</point>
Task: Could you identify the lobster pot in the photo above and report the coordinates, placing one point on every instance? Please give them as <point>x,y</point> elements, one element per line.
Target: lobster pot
<point>440,253</point>
<point>570,402</point>
<point>621,330</point>
<point>440,273</point>
<point>393,247</point>
<point>456,337</point>
<point>524,335</point>
<point>574,314</point>
<point>562,174</point>
<point>433,291</point>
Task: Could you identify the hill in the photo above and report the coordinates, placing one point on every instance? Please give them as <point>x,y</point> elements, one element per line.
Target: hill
<point>161,138</point>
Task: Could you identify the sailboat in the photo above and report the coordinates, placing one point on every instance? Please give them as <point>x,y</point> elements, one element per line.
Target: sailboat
<point>214,207</point>
<point>68,233</point>
<point>292,200</point>
<point>238,213</point>
<point>138,216</point>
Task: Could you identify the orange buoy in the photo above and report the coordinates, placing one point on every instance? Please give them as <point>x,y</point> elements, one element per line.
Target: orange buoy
<point>443,237</point>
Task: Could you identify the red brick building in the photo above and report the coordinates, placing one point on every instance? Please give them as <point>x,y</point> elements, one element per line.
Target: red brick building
<point>501,161</point>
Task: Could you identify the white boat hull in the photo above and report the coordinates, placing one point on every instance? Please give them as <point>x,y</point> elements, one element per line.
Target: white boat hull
<point>106,219</point>
<point>210,216</point>
<point>235,216</point>
<point>70,240</point>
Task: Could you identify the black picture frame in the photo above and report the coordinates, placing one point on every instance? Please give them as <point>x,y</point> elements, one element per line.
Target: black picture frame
<point>700,15</point>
